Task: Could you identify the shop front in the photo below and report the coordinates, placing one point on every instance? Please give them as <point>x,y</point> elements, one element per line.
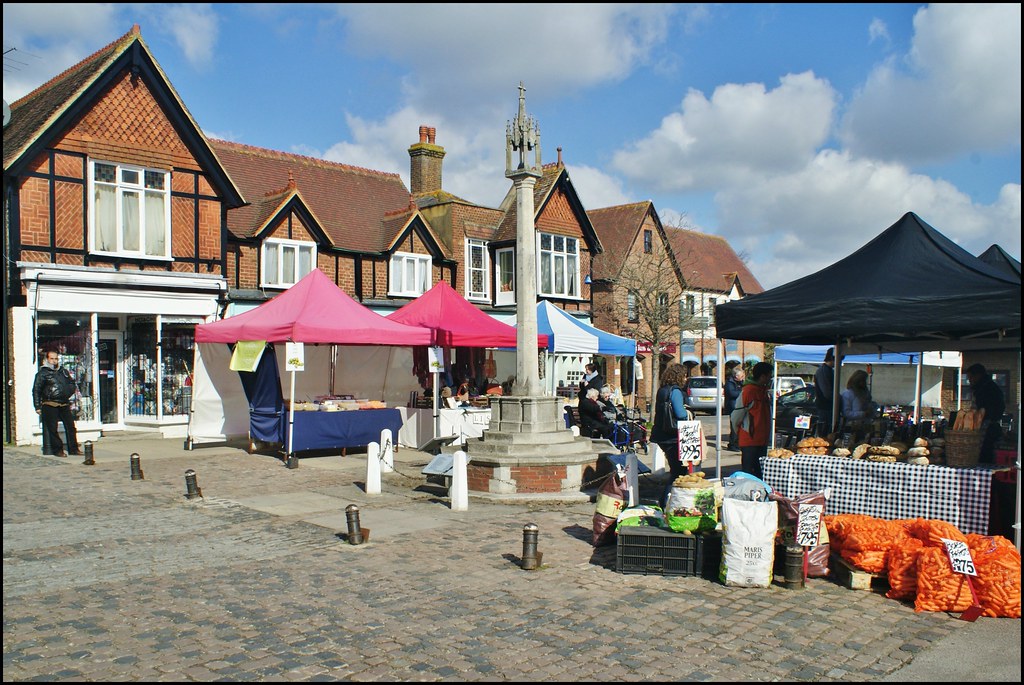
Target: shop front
<point>126,337</point>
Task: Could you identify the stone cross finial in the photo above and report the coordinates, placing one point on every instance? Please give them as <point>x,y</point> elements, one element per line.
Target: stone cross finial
<point>522,135</point>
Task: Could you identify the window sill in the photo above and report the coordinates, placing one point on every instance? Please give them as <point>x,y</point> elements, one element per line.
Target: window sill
<point>129,255</point>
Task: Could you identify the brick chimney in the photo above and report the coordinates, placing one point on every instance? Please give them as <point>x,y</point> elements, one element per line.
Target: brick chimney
<point>425,159</point>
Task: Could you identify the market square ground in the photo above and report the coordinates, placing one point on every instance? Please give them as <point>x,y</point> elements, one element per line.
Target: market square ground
<point>110,579</point>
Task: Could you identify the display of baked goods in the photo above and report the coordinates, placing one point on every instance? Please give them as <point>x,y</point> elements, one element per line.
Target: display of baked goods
<point>921,442</point>
<point>807,443</point>
<point>899,446</point>
<point>918,461</point>
<point>917,452</point>
<point>860,450</point>
<point>779,453</point>
<point>885,458</point>
<point>841,452</point>
<point>884,451</point>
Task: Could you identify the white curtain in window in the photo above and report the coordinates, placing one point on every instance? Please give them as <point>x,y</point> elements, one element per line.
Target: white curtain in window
<point>270,264</point>
<point>130,221</point>
<point>287,264</point>
<point>156,228</point>
<point>559,275</point>
<point>545,272</point>
<point>305,261</point>
<point>571,274</point>
<point>106,218</point>
<point>424,281</point>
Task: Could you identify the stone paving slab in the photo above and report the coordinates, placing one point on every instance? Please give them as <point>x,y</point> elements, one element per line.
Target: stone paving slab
<point>109,579</point>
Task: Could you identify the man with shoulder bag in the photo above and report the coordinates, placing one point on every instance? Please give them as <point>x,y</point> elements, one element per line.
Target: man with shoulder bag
<point>52,393</point>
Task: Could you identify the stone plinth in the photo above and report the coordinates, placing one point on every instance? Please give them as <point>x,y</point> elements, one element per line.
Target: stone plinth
<point>528,453</point>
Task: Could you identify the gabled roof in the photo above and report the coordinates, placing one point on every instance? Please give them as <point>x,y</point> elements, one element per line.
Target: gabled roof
<point>617,227</point>
<point>554,177</point>
<point>708,262</point>
<point>399,224</point>
<point>350,203</point>
<point>54,106</point>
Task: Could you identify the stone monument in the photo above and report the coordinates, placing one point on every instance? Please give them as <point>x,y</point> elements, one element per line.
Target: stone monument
<point>527,452</point>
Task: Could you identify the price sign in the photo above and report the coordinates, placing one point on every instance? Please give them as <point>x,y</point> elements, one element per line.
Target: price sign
<point>808,525</point>
<point>803,421</point>
<point>960,557</point>
<point>435,359</point>
<point>691,446</point>
<point>294,355</point>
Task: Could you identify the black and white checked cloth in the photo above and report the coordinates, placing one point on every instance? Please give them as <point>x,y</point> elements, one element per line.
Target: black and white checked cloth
<point>960,496</point>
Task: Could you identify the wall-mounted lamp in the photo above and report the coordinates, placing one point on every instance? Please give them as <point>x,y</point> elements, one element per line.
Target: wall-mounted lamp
<point>587,280</point>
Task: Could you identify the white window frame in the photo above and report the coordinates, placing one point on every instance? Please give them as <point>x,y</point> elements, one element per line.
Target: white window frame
<point>477,245</point>
<point>279,245</point>
<point>124,188</point>
<point>504,297</point>
<point>398,264</point>
<point>570,281</point>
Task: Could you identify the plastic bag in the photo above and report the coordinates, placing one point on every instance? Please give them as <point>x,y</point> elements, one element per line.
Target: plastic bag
<point>612,498</point>
<point>692,509</point>
<point>789,516</point>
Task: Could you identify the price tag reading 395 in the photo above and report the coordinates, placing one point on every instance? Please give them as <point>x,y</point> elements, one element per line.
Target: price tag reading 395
<point>808,526</point>
<point>960,557</point>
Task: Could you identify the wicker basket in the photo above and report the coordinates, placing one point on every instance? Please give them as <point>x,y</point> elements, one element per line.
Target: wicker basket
<point>963,448</point>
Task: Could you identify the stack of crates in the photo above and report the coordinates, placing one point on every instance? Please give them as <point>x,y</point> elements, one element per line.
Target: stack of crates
<point>650,550</point>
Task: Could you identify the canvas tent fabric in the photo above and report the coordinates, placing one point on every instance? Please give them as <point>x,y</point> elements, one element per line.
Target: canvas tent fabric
<point>814,354</point>
<point>997,257</point>
<point>314,310</point>
<point>910,284</point>
<point>455,321</point>
<point>568,335</point>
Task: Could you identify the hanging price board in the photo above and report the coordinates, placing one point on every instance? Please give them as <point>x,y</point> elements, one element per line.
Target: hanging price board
<point>802,422</point>
<point>294,356</point>
<point>691,447</point>
<point>960,557</point>
<point>808,526</point>
<point>435,359</point>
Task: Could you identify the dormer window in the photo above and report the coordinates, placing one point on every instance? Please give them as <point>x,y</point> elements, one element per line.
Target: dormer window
<point>285,262</point>
<point>410,275</point>
<point>130,213</point>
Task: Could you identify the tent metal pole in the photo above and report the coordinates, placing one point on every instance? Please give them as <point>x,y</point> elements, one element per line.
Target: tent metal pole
<point>718,411</point>
<point>291,416</point>
<point>918,389</point>
<point>771,389</point>
<point>837,366</point>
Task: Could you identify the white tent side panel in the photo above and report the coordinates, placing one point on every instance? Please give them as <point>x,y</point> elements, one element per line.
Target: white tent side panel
<point>376,372</point>
<point>895,383</point>
<point>219,408</point>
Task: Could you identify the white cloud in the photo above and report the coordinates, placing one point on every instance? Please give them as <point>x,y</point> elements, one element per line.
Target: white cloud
<point>928,108</point>
<point>743,129</point>
<point>195,30</point>
<point>798,223</point>
<point>877,30</point>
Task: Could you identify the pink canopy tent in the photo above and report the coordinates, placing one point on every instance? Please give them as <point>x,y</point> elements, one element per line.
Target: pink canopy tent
<point>455,322</point>
<point>314,310</point>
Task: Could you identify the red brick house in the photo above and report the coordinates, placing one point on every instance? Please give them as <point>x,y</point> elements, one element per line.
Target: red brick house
<point>115,210</point>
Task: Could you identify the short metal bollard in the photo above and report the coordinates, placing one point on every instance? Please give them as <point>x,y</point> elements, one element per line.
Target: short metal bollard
<point>192,489</point>
<point>794,569</point>
<point>89,459</point>
<point>136,467</point>
<point>531,557</point>
<point>292,462</point>
<point>355,532</point>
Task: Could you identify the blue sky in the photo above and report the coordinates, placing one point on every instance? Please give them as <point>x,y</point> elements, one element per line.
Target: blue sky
<point>798,132</point>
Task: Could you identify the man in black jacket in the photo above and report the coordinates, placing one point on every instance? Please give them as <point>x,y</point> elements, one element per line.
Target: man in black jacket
<point>989,397</point>
<point>52,392</point>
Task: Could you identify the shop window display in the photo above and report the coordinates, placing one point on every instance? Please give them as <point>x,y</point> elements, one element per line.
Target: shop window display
<point>71,336</point>
<point>177,339</point>
<point>141,388</point>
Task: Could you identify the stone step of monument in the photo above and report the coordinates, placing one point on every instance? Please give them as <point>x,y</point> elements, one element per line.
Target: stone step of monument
<point>562,437</point>
<point>575,451</point>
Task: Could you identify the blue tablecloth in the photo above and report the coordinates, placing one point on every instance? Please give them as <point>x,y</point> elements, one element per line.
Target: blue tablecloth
<point>960,496</point>
<point>316,430</point>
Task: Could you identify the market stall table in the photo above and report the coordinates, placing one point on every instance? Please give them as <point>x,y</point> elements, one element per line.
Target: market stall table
<point>960,496</point>
<point>314,430</point>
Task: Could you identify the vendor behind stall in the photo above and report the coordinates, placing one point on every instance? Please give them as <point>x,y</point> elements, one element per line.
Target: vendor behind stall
<point>989,397</point>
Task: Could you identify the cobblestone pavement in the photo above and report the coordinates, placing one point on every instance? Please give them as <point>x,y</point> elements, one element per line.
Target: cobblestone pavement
<point>110,579</point>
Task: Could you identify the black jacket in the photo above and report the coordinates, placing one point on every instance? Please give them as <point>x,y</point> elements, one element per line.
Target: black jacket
<point>52,385</point>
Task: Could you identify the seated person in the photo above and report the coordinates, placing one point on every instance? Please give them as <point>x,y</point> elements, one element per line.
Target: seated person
<point>608,404</point>
<point>464,390</point>
<point>447,401</point>
<point>593,422</point>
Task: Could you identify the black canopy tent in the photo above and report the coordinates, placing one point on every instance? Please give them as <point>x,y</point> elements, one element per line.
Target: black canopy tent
<point>997,257</point>
<point>910,289</point>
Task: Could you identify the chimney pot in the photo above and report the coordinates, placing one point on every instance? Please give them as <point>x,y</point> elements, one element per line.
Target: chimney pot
<point>431,133</point>
<point>559,156</point>
<point>423,134</point>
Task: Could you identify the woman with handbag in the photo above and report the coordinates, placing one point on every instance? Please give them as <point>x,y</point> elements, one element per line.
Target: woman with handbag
<point>670,407</point>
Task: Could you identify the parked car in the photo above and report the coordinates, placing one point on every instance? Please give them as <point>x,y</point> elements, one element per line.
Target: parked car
<point>784,384</point>
<point>704,394</point>
<point>795,403</point>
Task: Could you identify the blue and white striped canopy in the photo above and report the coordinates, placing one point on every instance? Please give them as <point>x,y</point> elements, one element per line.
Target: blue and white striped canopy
<point>568,335</point>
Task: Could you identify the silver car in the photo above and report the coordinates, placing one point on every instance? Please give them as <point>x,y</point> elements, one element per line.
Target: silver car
<point>704,394</point>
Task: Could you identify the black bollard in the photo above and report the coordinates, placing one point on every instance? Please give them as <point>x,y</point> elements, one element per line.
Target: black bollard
<point>136,467</point>
<point>191,487</point>
<point>355,532</point>
<point>531,557</point>
<point>89,460</point>
<point>794,569</point>
<point>292,461</point>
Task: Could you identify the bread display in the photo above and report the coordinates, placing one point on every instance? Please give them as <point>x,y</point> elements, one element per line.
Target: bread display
<point>841,452</point>
<point>779,453</point>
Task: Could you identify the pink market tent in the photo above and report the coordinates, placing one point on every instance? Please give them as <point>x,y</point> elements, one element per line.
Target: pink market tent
<point>455,322</point>
<point>314,310</point>
<point>318,313</point>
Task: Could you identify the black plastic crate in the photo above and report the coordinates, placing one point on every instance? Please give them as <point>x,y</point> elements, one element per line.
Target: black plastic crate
<point>655,551</point>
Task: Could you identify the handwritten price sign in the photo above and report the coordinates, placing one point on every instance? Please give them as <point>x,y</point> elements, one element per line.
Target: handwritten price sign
<point>960,557</point>
<point>808,525</point>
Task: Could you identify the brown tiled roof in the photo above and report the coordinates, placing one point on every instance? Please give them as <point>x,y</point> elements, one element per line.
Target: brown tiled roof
<point>708,262</point>
<point>32,114</point>
<point>350,202</point>
<point>617,227</point>
<point>550,174</point>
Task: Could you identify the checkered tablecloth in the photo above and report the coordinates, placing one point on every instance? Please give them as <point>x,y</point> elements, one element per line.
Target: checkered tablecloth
<point>960,496</point>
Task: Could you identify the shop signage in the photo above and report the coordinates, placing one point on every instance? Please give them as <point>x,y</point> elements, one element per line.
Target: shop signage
<point>645,347</point>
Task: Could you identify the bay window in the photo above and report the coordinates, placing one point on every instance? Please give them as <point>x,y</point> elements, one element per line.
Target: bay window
<point>476,269</point>
<point>558,265</point>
